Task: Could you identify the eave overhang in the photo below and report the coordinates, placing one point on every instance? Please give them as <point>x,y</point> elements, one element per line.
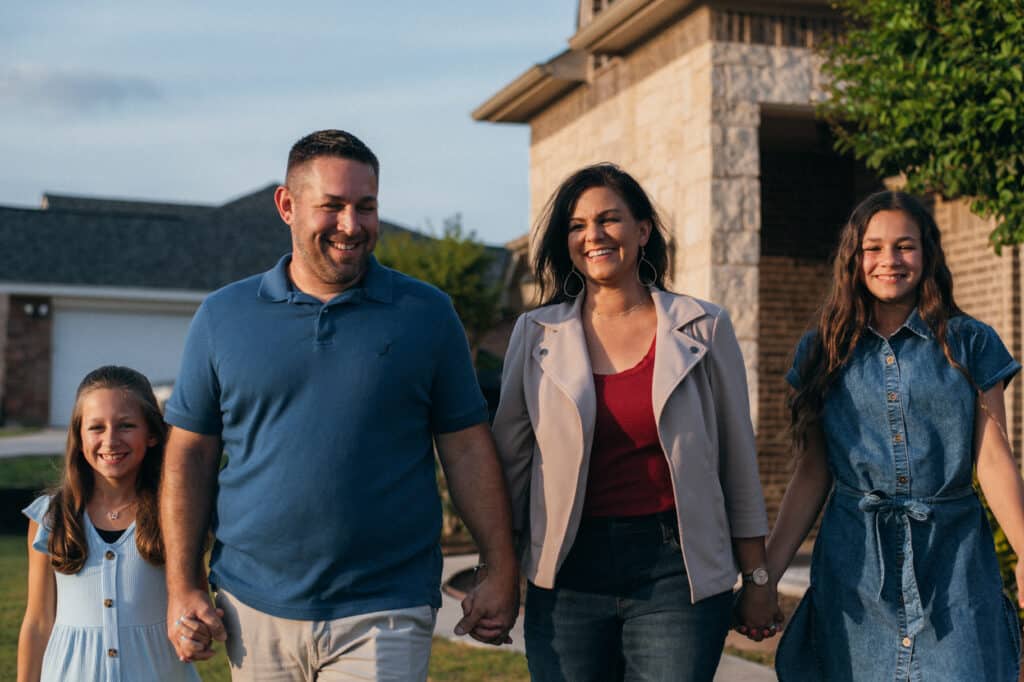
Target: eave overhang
<point>534,89</point>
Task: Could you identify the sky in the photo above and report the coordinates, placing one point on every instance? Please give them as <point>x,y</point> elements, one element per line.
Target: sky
<point>199,102</point>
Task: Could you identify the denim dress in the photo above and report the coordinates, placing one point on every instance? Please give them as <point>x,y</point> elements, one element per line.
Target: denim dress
<point>904,579</point>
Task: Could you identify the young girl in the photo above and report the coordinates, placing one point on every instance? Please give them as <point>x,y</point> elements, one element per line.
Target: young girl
<point>97,601</point>
<point>898,397</point>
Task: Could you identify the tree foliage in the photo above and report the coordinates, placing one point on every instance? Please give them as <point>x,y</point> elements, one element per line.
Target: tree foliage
<point>934,89</point>
<point>456,263</point>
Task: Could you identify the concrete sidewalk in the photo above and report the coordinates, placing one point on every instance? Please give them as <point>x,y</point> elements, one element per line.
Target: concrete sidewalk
<point>44,442</point>
<point>731,669</point>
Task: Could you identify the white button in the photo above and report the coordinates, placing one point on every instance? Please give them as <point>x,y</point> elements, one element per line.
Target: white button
<point>906,642</point>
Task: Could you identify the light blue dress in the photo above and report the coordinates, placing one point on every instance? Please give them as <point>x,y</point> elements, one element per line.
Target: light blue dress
<point>904,579</point>
<point>110,624</point>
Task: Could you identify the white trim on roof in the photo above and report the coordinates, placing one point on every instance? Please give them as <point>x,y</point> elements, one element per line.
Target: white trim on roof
<point>86,291</point>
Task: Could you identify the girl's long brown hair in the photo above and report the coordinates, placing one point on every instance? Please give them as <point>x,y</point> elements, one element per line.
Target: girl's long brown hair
<point>847,308</point>
<point>67,545</point>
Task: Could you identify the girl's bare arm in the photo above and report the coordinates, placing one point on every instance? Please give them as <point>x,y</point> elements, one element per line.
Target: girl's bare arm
<point>40,612</point>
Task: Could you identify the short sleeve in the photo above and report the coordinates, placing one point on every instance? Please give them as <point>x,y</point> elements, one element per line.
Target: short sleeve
<point>987,359</point>
<point>194,404</point>
<point>37,512</point>
<point>456,401</point>
<point>803,349</point>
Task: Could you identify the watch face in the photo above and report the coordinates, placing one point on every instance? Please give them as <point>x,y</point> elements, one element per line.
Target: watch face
<point>759,576</point>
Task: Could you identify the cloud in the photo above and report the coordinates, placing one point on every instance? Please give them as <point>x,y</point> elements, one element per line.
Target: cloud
<point>70,92</point>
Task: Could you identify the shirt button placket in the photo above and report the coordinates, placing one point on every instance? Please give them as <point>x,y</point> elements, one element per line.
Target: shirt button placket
<point>894,410</point>
<point>108,588</point>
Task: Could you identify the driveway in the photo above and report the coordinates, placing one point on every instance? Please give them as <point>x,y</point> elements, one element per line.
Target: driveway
<point>44,442</point>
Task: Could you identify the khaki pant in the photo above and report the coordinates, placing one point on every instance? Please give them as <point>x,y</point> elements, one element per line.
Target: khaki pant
<point>385,646</point>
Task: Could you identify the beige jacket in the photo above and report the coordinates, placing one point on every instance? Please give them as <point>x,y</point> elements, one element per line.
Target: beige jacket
<point>545,424</point>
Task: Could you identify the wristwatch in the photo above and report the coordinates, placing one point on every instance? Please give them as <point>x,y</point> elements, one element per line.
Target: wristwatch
<point>759,576</point>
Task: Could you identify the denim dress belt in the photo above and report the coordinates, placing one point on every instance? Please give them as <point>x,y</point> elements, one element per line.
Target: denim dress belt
<point>907,509</point>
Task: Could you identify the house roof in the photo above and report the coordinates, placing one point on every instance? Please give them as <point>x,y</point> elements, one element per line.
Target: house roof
<point>615,29</point>
<point>99,242</point>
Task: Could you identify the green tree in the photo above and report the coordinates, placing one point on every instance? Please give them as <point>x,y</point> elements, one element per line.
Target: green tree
<point>456,263</point>
<point>934,89</point>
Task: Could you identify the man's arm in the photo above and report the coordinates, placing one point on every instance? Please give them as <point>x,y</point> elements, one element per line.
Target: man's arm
<point>186,500</point>
<point>478,491</point>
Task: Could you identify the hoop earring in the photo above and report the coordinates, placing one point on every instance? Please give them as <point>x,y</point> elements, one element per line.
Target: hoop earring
<point>639,270</point>
<point>565,283</point>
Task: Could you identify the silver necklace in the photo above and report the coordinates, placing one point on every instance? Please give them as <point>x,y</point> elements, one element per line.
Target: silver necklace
<point>115,514</point>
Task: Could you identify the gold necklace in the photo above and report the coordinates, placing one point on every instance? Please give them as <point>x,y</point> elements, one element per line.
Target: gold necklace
<point>621,313</point>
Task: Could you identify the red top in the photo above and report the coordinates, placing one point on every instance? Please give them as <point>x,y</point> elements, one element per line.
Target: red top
<point>629,473</point>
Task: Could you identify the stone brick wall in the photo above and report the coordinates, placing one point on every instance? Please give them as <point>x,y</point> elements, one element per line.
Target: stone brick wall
<point>987,287</point>
<point>26,390</point>
<point>791,291</point>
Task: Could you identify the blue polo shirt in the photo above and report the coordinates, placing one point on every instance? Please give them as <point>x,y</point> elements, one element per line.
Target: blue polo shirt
<point>328,506</point>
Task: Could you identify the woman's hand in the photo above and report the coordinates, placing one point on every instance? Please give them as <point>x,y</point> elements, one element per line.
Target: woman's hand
<point>758,615</point>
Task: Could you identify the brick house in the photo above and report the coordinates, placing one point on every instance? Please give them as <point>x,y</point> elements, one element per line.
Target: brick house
<point>710,106</point>
<point>88,281</point>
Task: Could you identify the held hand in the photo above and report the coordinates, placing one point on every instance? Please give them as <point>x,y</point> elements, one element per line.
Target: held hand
<point>491,607</point>
<point>758,613</point>
<point>193,624</point>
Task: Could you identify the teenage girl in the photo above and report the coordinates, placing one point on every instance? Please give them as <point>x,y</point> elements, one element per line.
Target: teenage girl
<point>897,404</point>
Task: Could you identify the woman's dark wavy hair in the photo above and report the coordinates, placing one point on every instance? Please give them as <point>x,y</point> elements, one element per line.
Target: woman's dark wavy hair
<point>847,309</point>
<point>551,262</point>
<point>67,546</point>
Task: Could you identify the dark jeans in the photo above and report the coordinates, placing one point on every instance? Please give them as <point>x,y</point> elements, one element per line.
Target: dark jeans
<point>621,610</point>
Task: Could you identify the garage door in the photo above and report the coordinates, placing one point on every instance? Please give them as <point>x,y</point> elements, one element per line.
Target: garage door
<point>85,338</point>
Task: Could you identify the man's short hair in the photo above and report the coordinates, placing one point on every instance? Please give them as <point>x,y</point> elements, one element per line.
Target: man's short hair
<point>337,143</point>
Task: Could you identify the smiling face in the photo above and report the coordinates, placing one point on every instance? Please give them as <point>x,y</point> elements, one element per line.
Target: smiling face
<point>330,204</point>
<point>605,238</point>
<point>114,434</point>
<point>892,258</point>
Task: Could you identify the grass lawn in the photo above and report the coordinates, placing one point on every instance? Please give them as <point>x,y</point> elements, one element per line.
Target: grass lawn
<point>450,661</point>
<point>30,472</point>
<point>8,431</point>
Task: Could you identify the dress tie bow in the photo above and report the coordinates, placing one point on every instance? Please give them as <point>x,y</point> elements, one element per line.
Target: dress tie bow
<point>905,509</point>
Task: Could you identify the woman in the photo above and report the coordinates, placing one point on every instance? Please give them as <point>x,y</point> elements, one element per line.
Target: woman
<point>625,436</point>
<point>898,395</point>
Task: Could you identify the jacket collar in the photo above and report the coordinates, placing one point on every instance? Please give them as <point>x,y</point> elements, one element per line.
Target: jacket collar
<point>677,352</point>
<point>673,310</point>
<point>563,355</point>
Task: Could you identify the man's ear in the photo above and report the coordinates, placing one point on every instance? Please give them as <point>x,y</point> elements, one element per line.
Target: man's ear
<point>285,203</point>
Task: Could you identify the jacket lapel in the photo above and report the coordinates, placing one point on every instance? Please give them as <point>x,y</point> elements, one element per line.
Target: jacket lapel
<point>562,356</point>
<point>676,353</point>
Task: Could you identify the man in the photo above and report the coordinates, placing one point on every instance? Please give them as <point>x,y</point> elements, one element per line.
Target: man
<point>327,381</point>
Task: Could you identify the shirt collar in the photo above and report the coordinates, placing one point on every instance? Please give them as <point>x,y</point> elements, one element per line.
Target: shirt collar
<point>913,323</point>
<point>917,325</point>
<point>377,285</point>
